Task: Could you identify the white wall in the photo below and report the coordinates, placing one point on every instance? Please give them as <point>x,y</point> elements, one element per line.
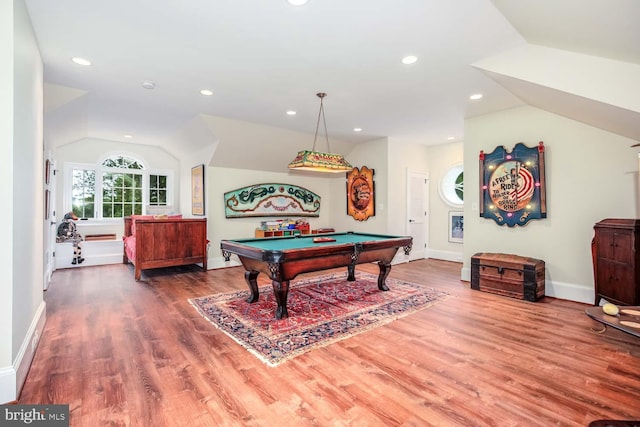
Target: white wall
<point>403,157</point>
<point>246,145</point>
<point>21,287</point>
<point>189,161</point>
<point>220,180</point>
<point>591,174</point>
<point>441,159</point>
<point>373,155</point>
<point>7,374</point>
<point>91,150</point>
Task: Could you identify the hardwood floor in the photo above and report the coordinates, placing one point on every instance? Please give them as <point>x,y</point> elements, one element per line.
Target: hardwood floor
<point>127,353</point>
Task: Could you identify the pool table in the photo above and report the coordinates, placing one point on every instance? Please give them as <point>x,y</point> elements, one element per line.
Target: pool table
<point>283,258</point>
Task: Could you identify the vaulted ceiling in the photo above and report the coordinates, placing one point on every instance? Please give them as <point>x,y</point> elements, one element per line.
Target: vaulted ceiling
<point>263,58</point>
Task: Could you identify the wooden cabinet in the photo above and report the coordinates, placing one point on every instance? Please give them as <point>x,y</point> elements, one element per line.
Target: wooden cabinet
<point>616,261</point>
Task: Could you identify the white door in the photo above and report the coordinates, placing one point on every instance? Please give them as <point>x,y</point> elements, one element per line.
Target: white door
<point>417,214</point>
<point>50,226</point>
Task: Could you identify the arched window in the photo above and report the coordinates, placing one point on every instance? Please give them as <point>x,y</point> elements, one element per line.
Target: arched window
<point>118,186</point>
<point>124,162</point>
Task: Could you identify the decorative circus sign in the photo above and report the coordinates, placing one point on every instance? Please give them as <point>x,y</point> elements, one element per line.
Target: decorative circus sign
<point>271,200</point>
<point>512,185</point>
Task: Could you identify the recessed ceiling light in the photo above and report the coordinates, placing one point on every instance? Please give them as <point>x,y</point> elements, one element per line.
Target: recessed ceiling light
<point>128,136</point>
<point>291,113</point>
<point>476,96</point>
<point>409,59</point>
<point>297,2</point>
<point>451,138</point>
<point>81,61</point>
<point>357,129</point>
<point>147,84</point>
<point>206,92</point>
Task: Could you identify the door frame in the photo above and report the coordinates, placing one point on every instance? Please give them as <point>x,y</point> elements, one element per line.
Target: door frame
<point>408,220</point>
<point>50,224</point>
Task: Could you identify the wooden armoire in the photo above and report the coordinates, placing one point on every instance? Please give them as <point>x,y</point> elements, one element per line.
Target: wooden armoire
<point>616,261</point>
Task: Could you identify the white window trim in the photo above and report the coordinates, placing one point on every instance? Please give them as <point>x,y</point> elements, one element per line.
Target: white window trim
<point>446,188</point>
<point>98,168</point>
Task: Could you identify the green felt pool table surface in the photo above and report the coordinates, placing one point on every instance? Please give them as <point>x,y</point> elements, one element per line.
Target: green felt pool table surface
<point>306,241</point>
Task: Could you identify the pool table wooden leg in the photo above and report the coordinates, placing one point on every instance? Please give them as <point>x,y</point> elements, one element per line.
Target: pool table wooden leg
<point>281,291</point>
<point>351,270</point>
<point>251,279</point>
<point>385,269</point>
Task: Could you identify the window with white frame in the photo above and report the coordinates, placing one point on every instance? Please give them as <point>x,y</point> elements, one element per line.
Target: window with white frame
<point>452,186</point>
<point>117,187</point>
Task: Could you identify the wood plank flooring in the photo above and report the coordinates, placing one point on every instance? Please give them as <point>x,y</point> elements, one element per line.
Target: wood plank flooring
<point>127,353</point>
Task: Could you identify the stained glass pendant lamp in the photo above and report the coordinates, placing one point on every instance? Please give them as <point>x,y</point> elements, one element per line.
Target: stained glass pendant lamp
<point>317,161</point>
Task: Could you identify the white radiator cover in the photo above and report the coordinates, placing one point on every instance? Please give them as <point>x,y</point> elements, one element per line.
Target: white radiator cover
<point>98,252</point>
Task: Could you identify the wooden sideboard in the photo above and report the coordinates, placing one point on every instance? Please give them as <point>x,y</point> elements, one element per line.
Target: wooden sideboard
<point>616,261</point>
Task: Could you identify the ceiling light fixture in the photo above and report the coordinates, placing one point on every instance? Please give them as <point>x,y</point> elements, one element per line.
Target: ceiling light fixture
<point>297,2</point>
<point>148,84</point>
<point>206,92</point>
<point>316,161</point>
<point>127,136</point>
<point>81,61</point>
<point>291,113</point>
<point>357,129</point>
<point>476,96</point>
<point>407,60</point>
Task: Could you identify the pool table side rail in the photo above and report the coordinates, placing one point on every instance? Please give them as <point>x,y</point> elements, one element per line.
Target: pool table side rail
<point>317,250</point>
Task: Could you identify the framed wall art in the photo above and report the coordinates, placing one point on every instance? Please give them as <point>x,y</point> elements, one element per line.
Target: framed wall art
<point>360,193</point>
<point>47,202</point>
<point>456,227</point>
<point>271,199</point>
<point>47,171</point>
<point>197,190</point>
<point>512,185</point>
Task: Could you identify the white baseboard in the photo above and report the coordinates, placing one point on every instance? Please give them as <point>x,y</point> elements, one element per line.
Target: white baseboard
<point>7,385</point>
<point>219,262</point>
<point>465,274</point>
<point>400,258</point>
<point>560,290</point>
<point>12,378</point>
<point>445,255</point>
<point>569,291</point>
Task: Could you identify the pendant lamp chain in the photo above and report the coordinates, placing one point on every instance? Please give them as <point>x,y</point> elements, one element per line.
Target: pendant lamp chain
<point>316,161</point>
<point>321,95</point>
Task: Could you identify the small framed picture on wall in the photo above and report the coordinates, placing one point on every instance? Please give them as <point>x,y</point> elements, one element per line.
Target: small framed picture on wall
<point>197,190</point>
<point>456,227</point>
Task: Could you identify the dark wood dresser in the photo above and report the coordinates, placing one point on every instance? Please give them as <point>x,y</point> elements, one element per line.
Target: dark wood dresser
<point>616,261</point>
<point>509,275</point>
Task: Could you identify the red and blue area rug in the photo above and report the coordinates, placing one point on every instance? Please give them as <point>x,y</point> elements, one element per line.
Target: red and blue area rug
<point>322,310</point>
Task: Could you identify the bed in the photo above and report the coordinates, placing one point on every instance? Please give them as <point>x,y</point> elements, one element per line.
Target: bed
<point>167,241</point>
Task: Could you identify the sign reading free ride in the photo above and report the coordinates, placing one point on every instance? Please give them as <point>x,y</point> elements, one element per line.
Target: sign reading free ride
<point>512,185</point>
<point>34,415</point>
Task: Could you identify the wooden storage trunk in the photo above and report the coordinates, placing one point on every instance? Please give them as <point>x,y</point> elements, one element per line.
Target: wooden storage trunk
<point>510,275</point>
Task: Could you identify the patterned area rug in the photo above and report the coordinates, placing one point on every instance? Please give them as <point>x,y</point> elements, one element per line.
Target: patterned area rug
<point>322,310</point>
